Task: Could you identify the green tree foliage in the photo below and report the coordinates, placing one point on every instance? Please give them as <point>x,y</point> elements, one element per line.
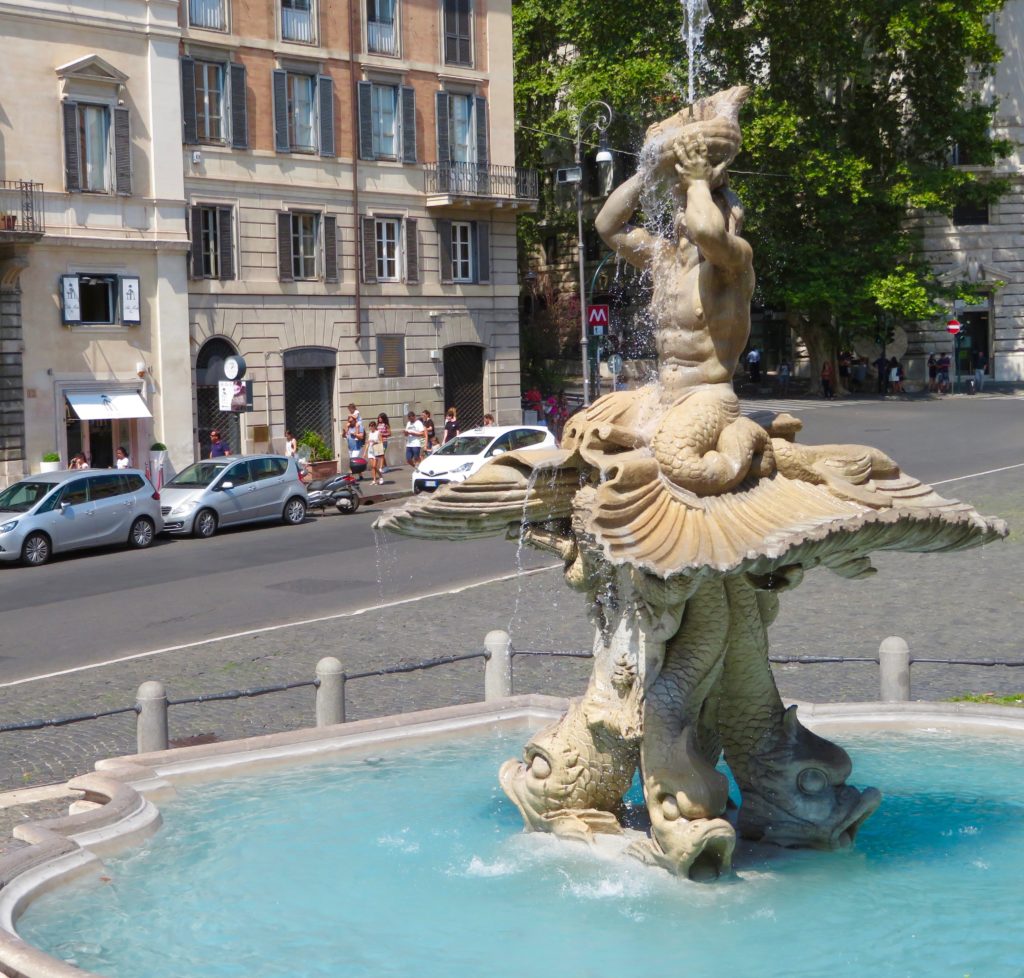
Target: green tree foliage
<point>855,109</point>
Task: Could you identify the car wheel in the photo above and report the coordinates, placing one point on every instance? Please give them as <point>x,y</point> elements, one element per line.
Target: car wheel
<point>294,511</point>
<point>36,550</point>
<point>350,506</point>
<point>205,523</point>
<point>141,534</point>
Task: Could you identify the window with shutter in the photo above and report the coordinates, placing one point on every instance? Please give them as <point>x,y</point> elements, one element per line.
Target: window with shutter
<point>369,248</point>
<point>305,229</point>
<point>458,32</point>
<point>408,124</point>
<point>384,121</point>
<point>72,163</point>
<point>195,243</point>
<point>444,244</point>
<point>280,88</point>
<point>325,98</point>
<point>330,248</point>
<point>461,251</point>
<point>122,152</point>
<point>483,252</point>
<point>239,108</point>
<point>225,244</point>
<point>284,247</point>
<point>390,355</point>
<point>213,242</point>
<point>208,101</point>
<point>188,101</point>
<point>386,248</point>
<point>365,90</point>
<point>87,149</point>
<point>412,252</point>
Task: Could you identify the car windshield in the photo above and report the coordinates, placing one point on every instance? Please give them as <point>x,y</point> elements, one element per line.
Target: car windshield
<point>198,474</point>
<point>465,445</point>
<point>22,496</point>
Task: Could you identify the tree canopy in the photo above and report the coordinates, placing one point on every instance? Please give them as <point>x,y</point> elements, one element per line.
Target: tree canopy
<point>856,109</point>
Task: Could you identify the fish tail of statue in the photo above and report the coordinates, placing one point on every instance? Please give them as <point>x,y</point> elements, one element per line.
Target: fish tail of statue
<point>793,782</point>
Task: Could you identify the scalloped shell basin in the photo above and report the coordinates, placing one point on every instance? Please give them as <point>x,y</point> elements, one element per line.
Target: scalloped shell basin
<point>414,864</point>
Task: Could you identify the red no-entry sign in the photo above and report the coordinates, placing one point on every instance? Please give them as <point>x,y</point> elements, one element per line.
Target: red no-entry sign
<point>953,326</point>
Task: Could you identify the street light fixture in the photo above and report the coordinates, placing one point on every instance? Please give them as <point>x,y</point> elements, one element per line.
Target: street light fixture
<point>600,122</point>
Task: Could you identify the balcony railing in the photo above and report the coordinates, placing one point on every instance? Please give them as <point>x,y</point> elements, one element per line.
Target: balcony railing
<point>382,37</point>
<point>21,207</point>
<point>478,180</point>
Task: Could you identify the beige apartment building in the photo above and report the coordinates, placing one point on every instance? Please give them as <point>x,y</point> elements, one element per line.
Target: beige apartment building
<point>94,348</point>
<point>352,191</point>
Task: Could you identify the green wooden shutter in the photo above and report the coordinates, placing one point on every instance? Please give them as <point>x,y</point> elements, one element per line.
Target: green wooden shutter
<point>280,85</point>
<point>239,108</point>
<point>408,124</point>
<point>325,100</point>
<point>122,152</point>
<point>284,247</point>
<point>444,252</point>
<point>72,163</point>
<point>365,120</point>
<point>190,130</point>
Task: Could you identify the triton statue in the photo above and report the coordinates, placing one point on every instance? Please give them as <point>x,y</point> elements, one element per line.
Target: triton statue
<point>682,520</point>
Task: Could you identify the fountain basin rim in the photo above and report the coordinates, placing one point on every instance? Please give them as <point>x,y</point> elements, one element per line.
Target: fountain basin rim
<point>119,809</point>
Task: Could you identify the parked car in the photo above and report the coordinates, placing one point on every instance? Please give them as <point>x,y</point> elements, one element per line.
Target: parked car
<point>55,511</point>
<point>234,490</point>
<point>458,459</point>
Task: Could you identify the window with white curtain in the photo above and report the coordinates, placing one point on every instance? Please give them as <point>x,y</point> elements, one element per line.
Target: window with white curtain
<point>301,112</point>
<point>461,132</point>
<point>384,113</point>
<point>94,147</point>
<point>297,21</point>
<point>380,26</point>
<point>209,14</point>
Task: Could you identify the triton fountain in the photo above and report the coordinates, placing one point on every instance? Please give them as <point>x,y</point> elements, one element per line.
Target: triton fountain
<point>682,520</point>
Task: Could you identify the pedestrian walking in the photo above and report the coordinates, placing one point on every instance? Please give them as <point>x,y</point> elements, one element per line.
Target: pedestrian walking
<point>414,432</point>
<point>375,453</point>
<point>980,366</point>
<point>881,366</point>
<point>217,447</point>
<point>827,379</point>
<point>754,365</point>
<point>783,375</point>
<point>384,427</point>
<point>123,461</point>
<point>933,373</point>
<point>895,376</point>
<point>355,437</point>
<point>451,425</point>
<point>429,434</point>
<point>291,447</point>
<point>942,376</point>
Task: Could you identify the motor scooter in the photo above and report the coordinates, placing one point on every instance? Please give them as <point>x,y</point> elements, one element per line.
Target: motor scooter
<point>340,491</point>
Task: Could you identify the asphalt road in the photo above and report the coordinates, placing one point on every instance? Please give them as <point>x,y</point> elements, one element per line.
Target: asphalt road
<point>94,607</point>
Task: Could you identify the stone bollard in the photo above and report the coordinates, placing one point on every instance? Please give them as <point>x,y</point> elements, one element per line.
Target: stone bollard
<point>498,671</point>
<point>330,694</point>
<point>151,726</point>
<point>894,670</point>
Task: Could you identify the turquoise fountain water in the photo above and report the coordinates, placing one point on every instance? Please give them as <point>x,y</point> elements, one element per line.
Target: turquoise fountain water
<point>329,870</point>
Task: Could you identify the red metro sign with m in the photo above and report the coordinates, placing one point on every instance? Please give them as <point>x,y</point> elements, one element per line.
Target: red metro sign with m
<point>597,316</point>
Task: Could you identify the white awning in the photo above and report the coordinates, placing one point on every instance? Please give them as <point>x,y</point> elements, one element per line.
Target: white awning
<point>101,406</point>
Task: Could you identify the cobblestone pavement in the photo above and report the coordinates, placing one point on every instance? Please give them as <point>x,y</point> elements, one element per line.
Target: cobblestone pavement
<point>965,605</point>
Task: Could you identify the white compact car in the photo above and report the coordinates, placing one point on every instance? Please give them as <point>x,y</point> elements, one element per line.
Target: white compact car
<point>457,460</point>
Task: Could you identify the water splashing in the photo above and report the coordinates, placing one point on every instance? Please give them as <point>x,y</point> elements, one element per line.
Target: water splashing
<point>696,14</point>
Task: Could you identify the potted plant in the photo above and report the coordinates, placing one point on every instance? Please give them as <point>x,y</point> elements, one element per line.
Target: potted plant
<point>322,463</point>
<point>157,463</point>
<point>51,462</point>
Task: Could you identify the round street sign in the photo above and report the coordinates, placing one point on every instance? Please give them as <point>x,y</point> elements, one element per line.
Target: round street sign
<point>615,364</point>
<point>953,326</point>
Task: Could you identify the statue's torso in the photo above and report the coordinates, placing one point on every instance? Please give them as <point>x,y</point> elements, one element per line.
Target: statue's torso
<point>702,318</point>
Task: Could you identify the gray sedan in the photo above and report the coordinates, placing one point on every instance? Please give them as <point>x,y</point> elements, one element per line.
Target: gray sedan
<point>56,511</point>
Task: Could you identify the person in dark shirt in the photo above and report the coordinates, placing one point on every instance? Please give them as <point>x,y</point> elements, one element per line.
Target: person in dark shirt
<point>217,448</point>
<point>451,425</point>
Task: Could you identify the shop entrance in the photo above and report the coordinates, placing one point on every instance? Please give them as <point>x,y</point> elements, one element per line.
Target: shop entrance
<point>464,383</point>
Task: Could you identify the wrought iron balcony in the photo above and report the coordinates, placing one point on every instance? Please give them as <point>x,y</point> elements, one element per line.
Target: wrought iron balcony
<point>479,180</point>
<point>21,208</point>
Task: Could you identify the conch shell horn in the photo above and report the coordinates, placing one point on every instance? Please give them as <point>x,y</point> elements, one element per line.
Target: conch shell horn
<point>716,117</point>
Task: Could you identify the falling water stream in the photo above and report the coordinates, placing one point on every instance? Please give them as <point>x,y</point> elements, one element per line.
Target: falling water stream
<point>696,15</point>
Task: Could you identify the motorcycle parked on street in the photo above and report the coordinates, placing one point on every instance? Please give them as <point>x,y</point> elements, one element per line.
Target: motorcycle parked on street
<point>340,491</point>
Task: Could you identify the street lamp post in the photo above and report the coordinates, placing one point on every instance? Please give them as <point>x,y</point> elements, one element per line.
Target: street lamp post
<point>601,121</point>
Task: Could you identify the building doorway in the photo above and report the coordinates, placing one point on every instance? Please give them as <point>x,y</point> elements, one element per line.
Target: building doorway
<point>464,383</point>
<point>309,391</point>
<point>209,416</point>
<point>974,337</point>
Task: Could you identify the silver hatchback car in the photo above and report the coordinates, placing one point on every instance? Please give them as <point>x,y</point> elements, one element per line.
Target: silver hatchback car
<point>55,511</point>
<point>229,491</point>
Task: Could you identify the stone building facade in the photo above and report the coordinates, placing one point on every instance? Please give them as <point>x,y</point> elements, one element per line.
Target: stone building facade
<point>352,192</point>
<point>985,246</point>
<point>93,299</point>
